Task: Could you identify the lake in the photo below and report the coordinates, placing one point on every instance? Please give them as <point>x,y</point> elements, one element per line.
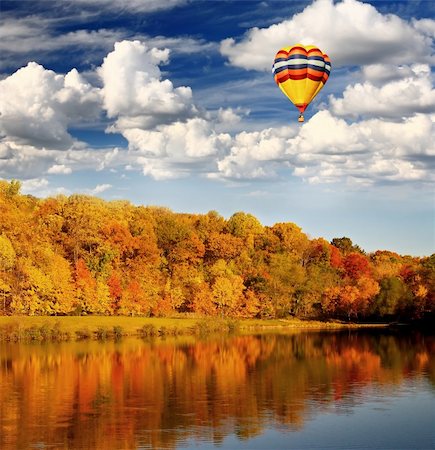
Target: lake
<point>314,390</point>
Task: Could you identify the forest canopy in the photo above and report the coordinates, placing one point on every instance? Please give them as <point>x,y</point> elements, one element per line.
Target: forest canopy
<point>82,255</point>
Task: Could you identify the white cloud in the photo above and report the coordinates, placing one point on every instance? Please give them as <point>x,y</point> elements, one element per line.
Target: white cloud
<point>134,6</point>
<point>327,149</point>
<point>379,74</point>
<point>411,94</point>
<point>425,26</point>
<point>379,151</point>
<point>176,149</point>
<point>229,116</point>
<point>99,188</point>
<point>229,120</point>
<point>154,116</point>
<point>350,32</point>
<point>36,34</point>
<point>34,37</point>
<point>133,91</point>
<point>92,159</point>
<point>41,187</point>
<point>59,169</point>
<point>169,137</point>
<point>256,154</point>
<point>25,161</point>
<point>180,46</point>
<point>27,107</point>
<point>165,130</point>
<point>34,185</point>
<point>38,105</point>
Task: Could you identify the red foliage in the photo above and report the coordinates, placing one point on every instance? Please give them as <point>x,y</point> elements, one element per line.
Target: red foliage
<point>356,266</point>
<point>335,259</point>
<point>407,273</point>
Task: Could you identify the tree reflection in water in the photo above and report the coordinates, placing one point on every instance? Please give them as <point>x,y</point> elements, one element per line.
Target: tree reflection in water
<point>92,395</point>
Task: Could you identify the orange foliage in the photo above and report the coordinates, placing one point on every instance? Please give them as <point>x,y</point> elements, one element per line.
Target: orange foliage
<point>115,290</point>
<point>79,254</point>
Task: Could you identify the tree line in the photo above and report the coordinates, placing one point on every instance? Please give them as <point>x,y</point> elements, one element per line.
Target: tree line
<point>82,255</point>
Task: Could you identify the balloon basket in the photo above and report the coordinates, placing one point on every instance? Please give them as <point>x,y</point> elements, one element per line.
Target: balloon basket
<point>301,118</point>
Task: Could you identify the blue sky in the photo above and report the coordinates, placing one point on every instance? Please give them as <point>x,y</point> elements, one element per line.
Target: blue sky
<point>173,104</point>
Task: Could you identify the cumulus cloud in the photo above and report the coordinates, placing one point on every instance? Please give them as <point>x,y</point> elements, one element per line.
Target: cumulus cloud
<point>25,161</point>
<point>406,96</point>
<point>134,92</point>
<point>59,169</point>
<point>229,116</point>
<point>255,154</point>
<point>158,119</point>
<point>327,149</point>
<point>379,74</point>
<point>34,185</point>
<point>177,149</point>
<point>37,109</point>
<point>166,133</point>
<point>425,26</point>
<point>168,136</point>
<point>350,32</point>
<point>376,151</point>
<point>38,105</point>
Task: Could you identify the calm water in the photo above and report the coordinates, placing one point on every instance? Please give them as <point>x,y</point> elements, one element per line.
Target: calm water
<point>308,390</point>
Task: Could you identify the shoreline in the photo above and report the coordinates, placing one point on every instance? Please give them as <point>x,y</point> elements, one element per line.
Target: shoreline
<point>75,328</point>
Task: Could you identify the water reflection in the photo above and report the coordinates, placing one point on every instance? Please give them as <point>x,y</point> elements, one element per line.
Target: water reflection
<point>163,393</point>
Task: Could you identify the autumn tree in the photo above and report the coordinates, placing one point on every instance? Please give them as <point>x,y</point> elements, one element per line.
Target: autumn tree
<point>345,245</point>
<point>10,189</point>
<point>205,224</point>
<point>320,275</point>
<point>137,300</point>
<point>93,295</point>
<point>386,264</point>
<point>222,246</point>
<point>427,272</point>
<point>244,226</point>
<point>285,275</point>
<point>350,301</point>
<point>356,266</point>
<point>80,229</point>
<point>7,261</point>
<point>83,255</point>
<point>291,240</point>
<point>226,288</point>
<point>393,293</point>
<point>115,290</point>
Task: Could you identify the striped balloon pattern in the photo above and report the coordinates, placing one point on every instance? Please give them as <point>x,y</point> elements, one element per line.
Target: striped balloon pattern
<point>301,72</point>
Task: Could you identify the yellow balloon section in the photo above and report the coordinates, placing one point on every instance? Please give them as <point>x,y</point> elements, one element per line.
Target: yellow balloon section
<point>300,72</point>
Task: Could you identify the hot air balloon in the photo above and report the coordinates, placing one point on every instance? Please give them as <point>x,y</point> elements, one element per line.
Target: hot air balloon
<point>300,72</point>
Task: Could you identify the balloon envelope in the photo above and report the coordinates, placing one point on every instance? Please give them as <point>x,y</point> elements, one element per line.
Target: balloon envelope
<point>300,72</point>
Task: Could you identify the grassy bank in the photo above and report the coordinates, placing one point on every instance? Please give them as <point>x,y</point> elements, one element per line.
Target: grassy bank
<point>65,328</point>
